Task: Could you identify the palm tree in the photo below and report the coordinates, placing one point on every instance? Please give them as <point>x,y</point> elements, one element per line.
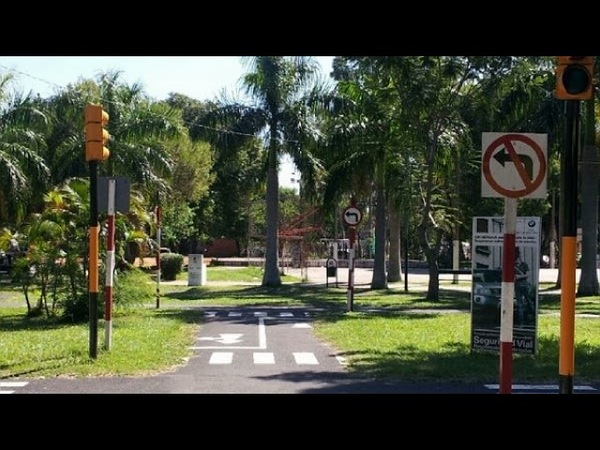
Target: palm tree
<point>277,84</point>
<point>23,170</point>
<point>359,145</point>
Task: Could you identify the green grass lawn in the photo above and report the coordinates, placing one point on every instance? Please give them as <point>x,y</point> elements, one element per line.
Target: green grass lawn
<point>383,337</point>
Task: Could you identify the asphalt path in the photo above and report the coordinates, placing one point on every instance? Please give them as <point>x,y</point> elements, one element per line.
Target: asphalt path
<point>248,351</point>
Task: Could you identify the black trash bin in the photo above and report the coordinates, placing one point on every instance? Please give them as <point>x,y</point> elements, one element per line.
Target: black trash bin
<point>331,265</point>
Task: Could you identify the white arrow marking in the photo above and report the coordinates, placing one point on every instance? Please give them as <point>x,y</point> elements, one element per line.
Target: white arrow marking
<point>224,338</point>
<point>262,339</point>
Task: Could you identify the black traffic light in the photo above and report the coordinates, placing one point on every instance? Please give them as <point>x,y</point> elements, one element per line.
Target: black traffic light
<point>96,136</point>
<point>575,77</point>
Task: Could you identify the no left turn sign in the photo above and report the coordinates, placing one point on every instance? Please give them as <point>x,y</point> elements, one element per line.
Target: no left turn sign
<point>514,165</point>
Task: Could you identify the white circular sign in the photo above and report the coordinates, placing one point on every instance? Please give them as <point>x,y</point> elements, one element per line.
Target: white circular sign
<point>352,216</point>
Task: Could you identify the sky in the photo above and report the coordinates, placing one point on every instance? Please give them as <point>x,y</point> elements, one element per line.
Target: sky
<point>199,77</point>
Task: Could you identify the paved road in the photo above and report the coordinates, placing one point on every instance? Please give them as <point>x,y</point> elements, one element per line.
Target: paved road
<point>252,350</point>
<point>256,351</point>
<point>245,350</point>
<point>416,278</point>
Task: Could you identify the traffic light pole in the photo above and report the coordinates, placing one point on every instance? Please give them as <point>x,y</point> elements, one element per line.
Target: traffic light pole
<point>568,250</point>
<point>96,136</point>
<point>93,268</point>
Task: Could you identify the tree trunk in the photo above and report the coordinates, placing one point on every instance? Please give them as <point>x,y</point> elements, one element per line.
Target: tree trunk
<point>272,276</point>
<point>428,236</point>
<point>379,280</point>
<point>394,263</point>
<point>588,282</point>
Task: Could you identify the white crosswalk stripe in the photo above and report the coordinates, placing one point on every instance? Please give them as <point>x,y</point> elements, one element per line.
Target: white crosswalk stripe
<point>11,384</point>
<point>264,358</point>
<point>283,314</point>
<point>221,358</point>
<point>303,358</point>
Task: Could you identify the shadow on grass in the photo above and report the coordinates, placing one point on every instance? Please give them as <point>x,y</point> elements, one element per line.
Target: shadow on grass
<point>294,294</point>
<point>300,294</point>
<point>183,315</point>
<point>20,321</point>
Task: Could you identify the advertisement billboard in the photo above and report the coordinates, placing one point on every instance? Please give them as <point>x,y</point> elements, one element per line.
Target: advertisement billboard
<point>486,294</point>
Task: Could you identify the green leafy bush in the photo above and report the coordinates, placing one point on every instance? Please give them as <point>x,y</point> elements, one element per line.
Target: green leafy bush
<point>132,288</point>
<point>171,265</point>
<point>77,308</point>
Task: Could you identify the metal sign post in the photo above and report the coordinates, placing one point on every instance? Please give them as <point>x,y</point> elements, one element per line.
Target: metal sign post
<point>352,217</point>
<point>513,166</point>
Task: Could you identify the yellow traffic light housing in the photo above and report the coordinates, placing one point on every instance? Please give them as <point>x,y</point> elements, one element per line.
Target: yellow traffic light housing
<point>96,135</point>
<point>575,77</point>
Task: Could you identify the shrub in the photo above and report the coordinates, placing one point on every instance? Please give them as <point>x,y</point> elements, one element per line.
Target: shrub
<point>132,288</point>
<point>77,308</point>
<point>171,265</point>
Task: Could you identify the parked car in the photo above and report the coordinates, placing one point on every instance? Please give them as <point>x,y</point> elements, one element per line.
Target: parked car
<point>487,294</point>
<point>487,287</point>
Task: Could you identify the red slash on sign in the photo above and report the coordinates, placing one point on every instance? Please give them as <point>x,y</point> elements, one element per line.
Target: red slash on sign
<point>512,154</point>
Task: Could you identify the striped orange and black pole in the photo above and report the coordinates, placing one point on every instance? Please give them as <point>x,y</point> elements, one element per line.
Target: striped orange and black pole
<point>93,272</point>
<point>568,251</point>
<point>96,137</point>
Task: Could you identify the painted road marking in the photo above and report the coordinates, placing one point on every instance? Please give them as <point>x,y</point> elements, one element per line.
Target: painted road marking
<point>305,358</point>
<point>264,358</point>
<point>11,384</point>
<point>211,314</point>
<point>301,325</point>
<point>224,338</point>
<point>301,358</point>
<point>539,387</point>
<point>221,358</point>
<point>262,340</point>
